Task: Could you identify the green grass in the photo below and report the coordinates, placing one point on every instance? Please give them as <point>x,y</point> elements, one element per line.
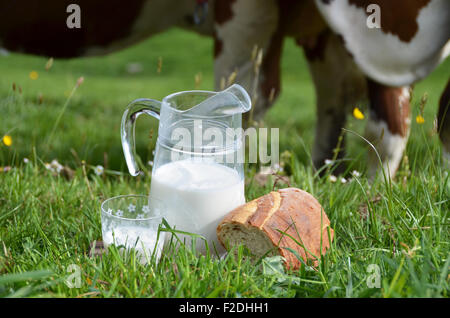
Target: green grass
<point>48,222</point>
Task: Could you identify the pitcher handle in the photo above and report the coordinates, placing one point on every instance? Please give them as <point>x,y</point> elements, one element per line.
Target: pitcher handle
<point>127,128</point>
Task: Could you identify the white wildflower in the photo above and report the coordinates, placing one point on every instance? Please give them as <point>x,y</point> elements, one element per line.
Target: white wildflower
<point>26,160</point>
<point>99,170</point>
<point>328,161</point>
<point>356,173</point>
<point>332,178</point>
<point>54,166</point>
<point>145,209</point>
<point>343,180</point>
<point>131,208</point>
<point>119,213</point>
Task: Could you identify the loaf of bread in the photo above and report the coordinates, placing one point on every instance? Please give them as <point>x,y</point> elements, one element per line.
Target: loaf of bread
<point>276,222</point>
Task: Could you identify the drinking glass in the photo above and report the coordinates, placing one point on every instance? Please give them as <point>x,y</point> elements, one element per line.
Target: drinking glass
<point>133,222</point>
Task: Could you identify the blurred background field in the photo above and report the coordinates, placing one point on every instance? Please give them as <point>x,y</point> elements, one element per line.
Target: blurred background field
<point>169,62</point>
<point>48,221</point>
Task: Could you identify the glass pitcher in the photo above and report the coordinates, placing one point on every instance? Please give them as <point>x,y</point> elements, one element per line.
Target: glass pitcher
<point>198,165</point>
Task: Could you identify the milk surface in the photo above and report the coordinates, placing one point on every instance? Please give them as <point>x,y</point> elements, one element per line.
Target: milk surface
<point>197,195</point>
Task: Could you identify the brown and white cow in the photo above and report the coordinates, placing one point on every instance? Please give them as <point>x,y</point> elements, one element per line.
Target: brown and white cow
<point>348,61</point>
<point>413,39</point>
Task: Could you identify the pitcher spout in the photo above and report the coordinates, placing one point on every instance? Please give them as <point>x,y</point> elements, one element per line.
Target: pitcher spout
<point>241,95</point>
<point>231,101</point>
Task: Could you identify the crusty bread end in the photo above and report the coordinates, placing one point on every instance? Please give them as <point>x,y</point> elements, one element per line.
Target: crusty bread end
<point>288,222</point>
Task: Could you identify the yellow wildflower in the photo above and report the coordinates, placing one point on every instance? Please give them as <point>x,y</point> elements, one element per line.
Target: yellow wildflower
<point>420,120</point>
<point>34,75</point>
<point>7,140</point>
<point>358,114</point>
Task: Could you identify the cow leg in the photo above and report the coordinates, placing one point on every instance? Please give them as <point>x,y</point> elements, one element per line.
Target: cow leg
<point>339,84</point>
<point>389,125</point>
<point>240,26</point>
<point>444,121</point>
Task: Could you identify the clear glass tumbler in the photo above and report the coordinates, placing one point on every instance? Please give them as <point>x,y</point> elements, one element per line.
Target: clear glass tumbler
<point>133,222</point>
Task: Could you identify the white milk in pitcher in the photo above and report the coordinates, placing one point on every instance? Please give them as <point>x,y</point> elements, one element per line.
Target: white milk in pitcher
<point>197,195</point>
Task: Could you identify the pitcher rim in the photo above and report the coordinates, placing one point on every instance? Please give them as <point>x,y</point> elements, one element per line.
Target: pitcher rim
<point>164,101</point>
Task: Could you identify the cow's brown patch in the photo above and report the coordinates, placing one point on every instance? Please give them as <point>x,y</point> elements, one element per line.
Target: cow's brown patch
<point>315,48</point>
<point>309,29</point>
<point>390,105</point>
<point>443,118</point>
<point>293,20</point>
<point>270,86</point>
<point>223,11</point>
<point>39,26</point>
<point>218,45</point>
<point>398,17</point>
<point>302,19</point>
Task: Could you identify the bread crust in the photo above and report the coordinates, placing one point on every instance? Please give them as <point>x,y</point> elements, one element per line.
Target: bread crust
<point>287,217</point>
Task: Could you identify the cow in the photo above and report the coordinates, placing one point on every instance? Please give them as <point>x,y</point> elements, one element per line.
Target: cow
<point>412,40</point>
<point>348,61</point>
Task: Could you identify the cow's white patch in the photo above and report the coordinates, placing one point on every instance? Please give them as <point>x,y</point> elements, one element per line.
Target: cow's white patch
<point>253,23</point>
<point>384,57</point>
<point>404,99</point>
<point>404,96</point>
<point>390,148</point>
<point>3,52</point>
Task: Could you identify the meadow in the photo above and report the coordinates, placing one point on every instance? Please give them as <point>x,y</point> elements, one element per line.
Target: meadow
<point>396,230</point>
